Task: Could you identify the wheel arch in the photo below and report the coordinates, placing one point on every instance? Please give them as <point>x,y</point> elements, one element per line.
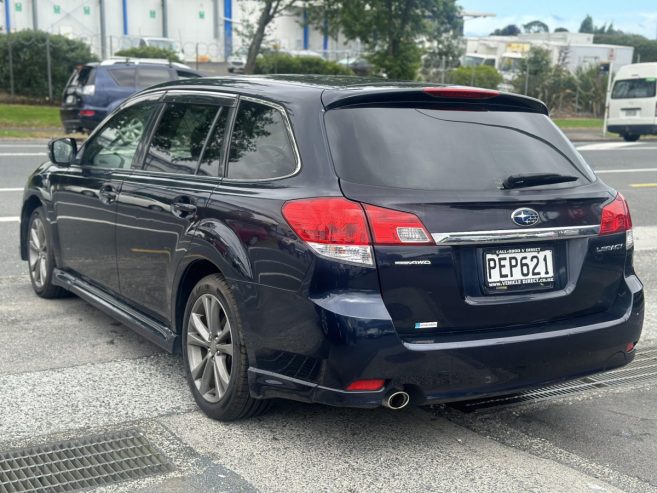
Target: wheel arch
<point>29,206</point>
<point>191,275</point>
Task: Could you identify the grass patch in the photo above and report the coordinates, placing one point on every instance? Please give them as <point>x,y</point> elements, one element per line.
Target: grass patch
<point>25,116</point>
<point>593,123</point>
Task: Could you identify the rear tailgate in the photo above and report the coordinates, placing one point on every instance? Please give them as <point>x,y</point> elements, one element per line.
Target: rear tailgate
<point>446,166</point>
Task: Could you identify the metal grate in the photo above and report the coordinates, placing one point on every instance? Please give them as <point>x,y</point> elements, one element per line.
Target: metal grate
<point>643,368</point>
<point>82,463</point>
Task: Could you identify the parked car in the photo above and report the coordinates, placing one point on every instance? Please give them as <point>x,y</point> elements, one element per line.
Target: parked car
<point>360,66</point>
<point>342,243</point>
<point>633,102</point>
<point>237,61</point>
<point>165,44</point>
<point>95,89</point>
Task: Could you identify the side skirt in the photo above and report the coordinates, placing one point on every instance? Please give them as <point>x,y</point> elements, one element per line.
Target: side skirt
<point>143,325</point>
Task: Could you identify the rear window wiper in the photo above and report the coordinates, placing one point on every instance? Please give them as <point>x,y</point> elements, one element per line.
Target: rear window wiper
<point>535,179</point>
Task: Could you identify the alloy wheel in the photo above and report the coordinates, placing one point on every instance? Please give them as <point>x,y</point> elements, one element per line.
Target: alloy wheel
<point>38,253</point>
<point>209,347</point>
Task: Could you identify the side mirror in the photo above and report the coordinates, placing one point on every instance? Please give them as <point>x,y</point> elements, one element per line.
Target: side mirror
<point>62,151</point>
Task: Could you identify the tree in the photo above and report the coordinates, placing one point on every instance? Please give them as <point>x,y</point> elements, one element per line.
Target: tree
<point>30,65</point>
<point>587,25</point>
<point>561,30</point>
<point>536,27</point>
<point>480,76</point>
<point>645,50</point>
<point>391,29</point>
<point>591,89</point>
<point>269,10</point>
<point>149,52</point>
<point>510,30</point>
<point>282,63</point>
<point>533,71</point>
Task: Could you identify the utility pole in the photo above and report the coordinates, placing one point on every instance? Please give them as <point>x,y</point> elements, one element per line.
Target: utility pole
<point>35,15</point>
<point>165,19</point>
<point>609,77</point>
<point>103,29</point>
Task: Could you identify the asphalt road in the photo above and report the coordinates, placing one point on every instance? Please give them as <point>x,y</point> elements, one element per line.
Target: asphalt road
<point>67,370</point>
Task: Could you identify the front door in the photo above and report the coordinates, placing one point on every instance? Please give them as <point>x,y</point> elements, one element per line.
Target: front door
<point>158,204</point>
<point>85,196</point>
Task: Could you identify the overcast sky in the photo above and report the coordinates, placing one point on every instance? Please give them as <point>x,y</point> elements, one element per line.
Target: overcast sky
<point>636,16</point>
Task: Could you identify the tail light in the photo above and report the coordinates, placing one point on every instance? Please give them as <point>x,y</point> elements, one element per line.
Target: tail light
<point>87,112</point>
<point>339,228</point>
<point>390,227</point>
<point>89,90</point>
<point>332,227</point>
<point>461,92</point>
<point>616,218</point>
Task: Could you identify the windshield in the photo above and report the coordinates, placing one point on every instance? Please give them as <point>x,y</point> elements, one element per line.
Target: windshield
<point>164,44</point>
<point>634,88</point>
<point>472,61</point>
<point>436,149</point>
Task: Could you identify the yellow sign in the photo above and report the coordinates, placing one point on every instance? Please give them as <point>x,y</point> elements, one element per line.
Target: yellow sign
<point>518,47</point>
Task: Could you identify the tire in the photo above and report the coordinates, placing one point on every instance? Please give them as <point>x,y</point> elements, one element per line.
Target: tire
<point>631,137</point>
<point>41,260</point>
<point>214,353</point>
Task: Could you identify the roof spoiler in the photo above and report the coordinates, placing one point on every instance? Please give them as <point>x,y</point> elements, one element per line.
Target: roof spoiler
<point>461,95</point>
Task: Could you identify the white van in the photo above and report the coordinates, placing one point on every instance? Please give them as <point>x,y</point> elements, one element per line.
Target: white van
<point>633,101</point>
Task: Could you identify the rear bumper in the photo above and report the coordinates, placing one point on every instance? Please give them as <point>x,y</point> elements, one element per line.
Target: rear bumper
<point>73,122</point>
<point>457,370</point>
<point>636,129</point>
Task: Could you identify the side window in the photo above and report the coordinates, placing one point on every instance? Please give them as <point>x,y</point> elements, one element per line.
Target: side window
<point>260,146</point>
<point>124,77</point>
<point>116,144</point>
<point>179,138</point>
<point>149,76</point>
<point>214,151</point>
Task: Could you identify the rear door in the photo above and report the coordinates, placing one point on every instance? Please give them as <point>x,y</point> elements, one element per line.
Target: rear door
<point>502,257</point>
<point>158,205</point>
<point>634,101</point>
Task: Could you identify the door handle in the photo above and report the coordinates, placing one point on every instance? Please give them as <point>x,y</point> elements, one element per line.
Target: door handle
<point>183,208</point>
<point>107,194</point>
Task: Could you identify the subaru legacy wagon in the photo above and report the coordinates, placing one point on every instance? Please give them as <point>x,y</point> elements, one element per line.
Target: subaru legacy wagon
<point>340,241</point>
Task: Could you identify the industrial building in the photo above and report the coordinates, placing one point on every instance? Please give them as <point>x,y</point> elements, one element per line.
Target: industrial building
<point>571,50</point>
<point>209,29</point>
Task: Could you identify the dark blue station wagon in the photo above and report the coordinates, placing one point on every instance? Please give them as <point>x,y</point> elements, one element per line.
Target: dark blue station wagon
<point>340,241</point>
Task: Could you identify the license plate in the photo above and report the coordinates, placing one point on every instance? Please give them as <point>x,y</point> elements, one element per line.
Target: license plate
<point>631,113</point>
<point>519,268</point>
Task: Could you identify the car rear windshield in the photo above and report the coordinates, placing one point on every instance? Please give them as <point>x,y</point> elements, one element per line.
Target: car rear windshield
<point>437,149</point>
<point>634,88</point>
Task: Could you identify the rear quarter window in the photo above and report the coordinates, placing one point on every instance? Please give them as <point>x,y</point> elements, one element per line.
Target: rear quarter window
<point>260,146</point>
<point>436,149</point>
<point>149,76</point>
<point>124,77</point>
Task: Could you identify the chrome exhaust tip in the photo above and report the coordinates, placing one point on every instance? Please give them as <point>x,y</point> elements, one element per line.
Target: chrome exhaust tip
<point>397,399</point>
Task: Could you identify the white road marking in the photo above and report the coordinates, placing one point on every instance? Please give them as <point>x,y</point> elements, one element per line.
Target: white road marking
<point>20,154</point>
<point>628,170</point>
<point>604,146</point>
<point>10,219</point>
<point>645,148</point>
<point>11,189</point>
<point>40,146</point>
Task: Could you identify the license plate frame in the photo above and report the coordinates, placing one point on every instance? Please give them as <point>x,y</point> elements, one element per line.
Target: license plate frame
<point>515,280</point>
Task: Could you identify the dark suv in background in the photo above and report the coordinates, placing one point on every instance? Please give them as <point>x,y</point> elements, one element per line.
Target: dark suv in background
<point>95,89</point>
<point>347,243</point>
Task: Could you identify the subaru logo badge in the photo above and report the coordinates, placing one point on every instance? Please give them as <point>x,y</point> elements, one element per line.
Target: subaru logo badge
<point>525,217</point>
